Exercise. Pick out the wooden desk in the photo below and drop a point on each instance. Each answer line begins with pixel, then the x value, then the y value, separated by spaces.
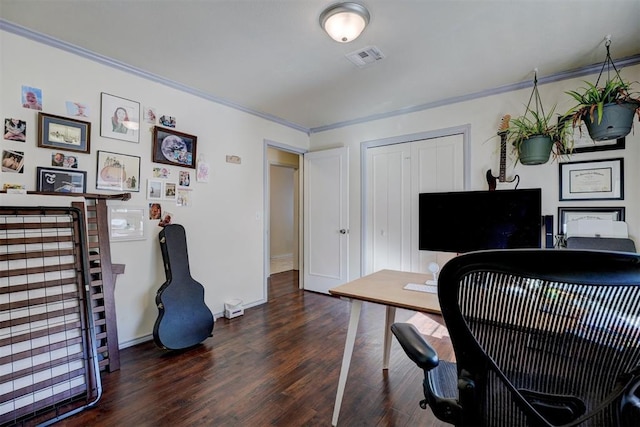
pixel 383 287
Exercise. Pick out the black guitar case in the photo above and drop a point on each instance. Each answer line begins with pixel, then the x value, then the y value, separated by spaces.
pixel 184 319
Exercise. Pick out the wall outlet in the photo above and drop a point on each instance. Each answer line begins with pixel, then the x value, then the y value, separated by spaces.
pixel 234 159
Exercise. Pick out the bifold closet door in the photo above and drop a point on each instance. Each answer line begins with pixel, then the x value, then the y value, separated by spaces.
pixel 48 363
pixel 395 175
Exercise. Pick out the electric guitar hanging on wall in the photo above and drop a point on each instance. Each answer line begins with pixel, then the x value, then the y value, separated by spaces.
pixel 501 182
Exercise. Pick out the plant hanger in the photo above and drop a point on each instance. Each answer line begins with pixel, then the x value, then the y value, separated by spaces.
pixel 535 96
pixel 608 62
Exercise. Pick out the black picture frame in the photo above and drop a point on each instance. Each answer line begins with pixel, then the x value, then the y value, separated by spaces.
pixel 63 133
pixel 174 148
pixel 567 214
pixel 55 180
pixel 601 179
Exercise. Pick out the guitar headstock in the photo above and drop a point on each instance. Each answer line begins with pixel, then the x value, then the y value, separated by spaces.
pixel 504 124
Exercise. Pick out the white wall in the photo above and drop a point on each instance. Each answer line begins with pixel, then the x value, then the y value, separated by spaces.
pixel 281 215
pixel 225 226
pixel 483 115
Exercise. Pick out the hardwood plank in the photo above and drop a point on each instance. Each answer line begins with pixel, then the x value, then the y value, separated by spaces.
pixel 278 365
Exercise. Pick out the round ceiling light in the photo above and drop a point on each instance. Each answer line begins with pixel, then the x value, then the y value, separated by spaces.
pixel 344 21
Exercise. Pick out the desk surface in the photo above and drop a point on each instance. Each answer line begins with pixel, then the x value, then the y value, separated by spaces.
pixel 386 287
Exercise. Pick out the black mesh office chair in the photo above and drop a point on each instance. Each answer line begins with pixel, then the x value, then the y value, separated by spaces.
pixel 541 338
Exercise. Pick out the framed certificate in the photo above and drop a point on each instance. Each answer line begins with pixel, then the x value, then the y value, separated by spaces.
pixel 592 180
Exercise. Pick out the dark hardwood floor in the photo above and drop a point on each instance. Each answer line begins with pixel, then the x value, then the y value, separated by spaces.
pixel 278 365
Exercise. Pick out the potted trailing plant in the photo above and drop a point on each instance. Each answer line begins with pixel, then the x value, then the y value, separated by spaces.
pixel 535 135
pixel 607 111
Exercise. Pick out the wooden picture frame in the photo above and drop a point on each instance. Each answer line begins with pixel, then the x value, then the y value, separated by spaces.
pixel 119 118
pixel 63 133
pixel 566 215
pixel 56 180
pixel 592 180
pixel 174 148
pixel 118 172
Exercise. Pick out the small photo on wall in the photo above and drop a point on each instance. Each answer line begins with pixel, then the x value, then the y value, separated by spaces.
pixel 155 211
pixel 12 161
pixel 154 189
pixel 150 115
pixel 170 190
pixel 77 109
pixel 15 130
pixel 57 160
pixel 32 98
pixel 185 179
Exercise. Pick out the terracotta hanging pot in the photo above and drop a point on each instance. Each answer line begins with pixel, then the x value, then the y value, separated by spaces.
pixel 535 150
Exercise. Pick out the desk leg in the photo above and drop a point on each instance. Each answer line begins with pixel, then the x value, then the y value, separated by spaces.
pixel 356 305
pixel 390 318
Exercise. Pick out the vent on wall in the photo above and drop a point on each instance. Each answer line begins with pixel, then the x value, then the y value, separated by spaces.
pixel 366 56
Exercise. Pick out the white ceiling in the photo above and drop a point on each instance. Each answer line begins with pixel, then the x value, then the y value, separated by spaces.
pixel 271 57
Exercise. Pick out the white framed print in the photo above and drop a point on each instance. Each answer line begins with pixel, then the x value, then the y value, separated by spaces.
pixel 154 189
pixel 119 118
pixel 126 223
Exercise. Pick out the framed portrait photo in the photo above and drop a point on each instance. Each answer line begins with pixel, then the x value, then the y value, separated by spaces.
pixel 58 132
pixel 592 180
pixel 118 172
pixel 119 118
pixel 61 180
pixel 174 148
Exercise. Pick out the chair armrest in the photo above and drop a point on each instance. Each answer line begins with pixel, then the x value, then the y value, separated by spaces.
pixel 416 347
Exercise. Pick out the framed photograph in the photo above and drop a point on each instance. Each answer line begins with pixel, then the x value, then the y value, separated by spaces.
pixel 174 148
pixel 119 118
pixel 58 132
pixel 170 190
pixel 60 180
pixel 154 189
pixel 567 215
pixel 592 180
pixel 582 142
pixel 119 172
pixel 126 223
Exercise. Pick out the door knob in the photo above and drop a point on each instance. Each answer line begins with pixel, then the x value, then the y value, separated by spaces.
pixel 343 231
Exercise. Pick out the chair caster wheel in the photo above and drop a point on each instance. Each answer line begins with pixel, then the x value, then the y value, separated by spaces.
pixel 423 404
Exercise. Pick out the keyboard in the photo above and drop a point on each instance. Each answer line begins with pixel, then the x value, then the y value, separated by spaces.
pixel 431 288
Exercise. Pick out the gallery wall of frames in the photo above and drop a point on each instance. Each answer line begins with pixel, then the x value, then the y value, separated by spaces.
pixel 121 119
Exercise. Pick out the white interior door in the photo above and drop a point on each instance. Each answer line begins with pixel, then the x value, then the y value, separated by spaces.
pixel 326 215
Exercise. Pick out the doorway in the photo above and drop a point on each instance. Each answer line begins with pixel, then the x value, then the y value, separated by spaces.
pixel 282 213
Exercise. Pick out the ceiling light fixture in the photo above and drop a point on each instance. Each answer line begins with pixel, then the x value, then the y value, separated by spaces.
pixel 344 21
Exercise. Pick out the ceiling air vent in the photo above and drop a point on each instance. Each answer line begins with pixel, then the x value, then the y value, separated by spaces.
pixel 365 57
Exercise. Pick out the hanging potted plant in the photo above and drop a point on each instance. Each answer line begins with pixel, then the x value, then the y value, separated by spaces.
pixel 535 135
pixel 607 111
